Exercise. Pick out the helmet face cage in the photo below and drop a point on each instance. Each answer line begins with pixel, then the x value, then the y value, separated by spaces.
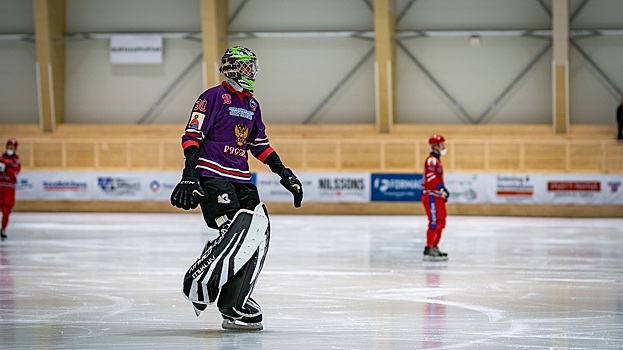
pixel 241 64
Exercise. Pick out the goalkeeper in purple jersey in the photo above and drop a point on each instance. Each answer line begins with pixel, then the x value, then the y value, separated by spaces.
pixel 224 126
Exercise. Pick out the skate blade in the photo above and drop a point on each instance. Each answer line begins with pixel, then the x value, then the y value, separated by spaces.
pixel 242 326
pixel 435 258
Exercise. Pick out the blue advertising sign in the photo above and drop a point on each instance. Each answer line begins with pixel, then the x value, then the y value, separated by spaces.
pixel 396 187
pixel 254 178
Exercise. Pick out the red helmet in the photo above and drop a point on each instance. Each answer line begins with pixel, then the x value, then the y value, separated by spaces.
pixel 435 140
pixel 12 141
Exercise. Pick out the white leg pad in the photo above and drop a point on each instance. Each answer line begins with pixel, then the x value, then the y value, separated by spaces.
pixel 248 232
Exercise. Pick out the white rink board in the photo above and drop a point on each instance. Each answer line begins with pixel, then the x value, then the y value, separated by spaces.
pixel 594 189
pixel 91 185
pixel 535 189
pixel 318 187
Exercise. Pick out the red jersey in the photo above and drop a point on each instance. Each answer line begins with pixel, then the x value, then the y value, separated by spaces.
pixel 12 167
pixel 433 175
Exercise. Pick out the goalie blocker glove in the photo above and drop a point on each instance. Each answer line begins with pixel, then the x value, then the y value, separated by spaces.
pixel 188 193
pixel 292 184
pixel 288 179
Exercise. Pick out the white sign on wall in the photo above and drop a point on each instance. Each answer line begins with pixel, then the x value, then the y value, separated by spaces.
pixel 595 189
pixel 88 185
pixel 536 188
pixel 136 49
pixel 317 187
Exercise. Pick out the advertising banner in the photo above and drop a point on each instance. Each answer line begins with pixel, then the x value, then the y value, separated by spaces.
pixel 396 187
pixel 469 188
pixel 535 189
pixel 584 189
pixel 113 186
pixel 333 187
pixel 318 187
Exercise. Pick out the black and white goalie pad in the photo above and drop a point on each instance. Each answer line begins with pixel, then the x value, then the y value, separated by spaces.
pixel 227 254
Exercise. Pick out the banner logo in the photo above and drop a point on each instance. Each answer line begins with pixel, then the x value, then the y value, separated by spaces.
pixel 23 184
pixel 396 187
pixel 573 186
pixel 64 186
pixel 514 186
pixel 119 186
pixel 614 186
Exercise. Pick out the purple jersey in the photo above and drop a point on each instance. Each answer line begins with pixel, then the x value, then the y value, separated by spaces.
pixel 225 124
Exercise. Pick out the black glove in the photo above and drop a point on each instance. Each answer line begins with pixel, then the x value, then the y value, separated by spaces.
pixel 292 184
pixel 188 193
pixel 444 192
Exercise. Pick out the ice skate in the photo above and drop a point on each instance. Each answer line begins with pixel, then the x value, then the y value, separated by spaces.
pixel 241 326
pixel 3 234
pixel 440 252
pixel 433 254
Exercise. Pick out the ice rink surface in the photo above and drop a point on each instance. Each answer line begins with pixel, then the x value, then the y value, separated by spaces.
pixel 113 281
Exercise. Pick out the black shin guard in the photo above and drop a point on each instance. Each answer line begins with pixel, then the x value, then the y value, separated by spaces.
pixel 235 302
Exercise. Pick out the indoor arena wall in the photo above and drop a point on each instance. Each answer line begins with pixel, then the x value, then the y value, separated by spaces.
pixel 512 149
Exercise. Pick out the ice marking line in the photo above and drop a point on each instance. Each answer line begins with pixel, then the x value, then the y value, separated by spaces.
pixel 572 280
pixel 121 305
pixel 515 330
pixel 494 315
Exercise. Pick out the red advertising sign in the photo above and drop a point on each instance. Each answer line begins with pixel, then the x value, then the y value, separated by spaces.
pixel 575 186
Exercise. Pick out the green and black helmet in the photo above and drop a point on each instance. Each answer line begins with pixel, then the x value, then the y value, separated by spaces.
pixel 240 64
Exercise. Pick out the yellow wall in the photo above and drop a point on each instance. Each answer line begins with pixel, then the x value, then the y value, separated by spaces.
pixel 306 148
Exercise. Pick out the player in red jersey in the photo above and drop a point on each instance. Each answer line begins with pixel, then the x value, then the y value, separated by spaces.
pixel 10 167
pixel 434 198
